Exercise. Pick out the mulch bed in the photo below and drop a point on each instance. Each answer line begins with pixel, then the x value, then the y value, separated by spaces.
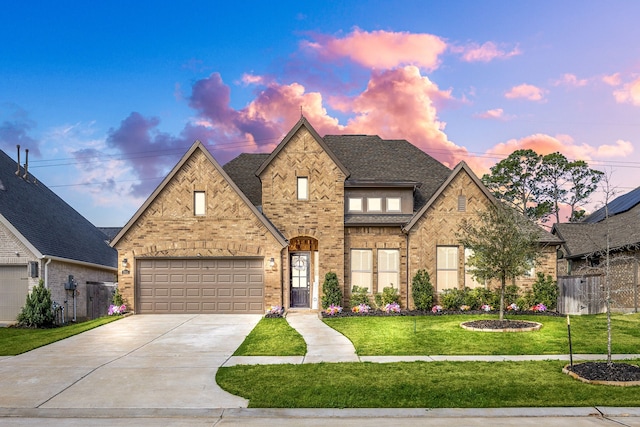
pixel 499 324
pixel 380 313
pixel 601 371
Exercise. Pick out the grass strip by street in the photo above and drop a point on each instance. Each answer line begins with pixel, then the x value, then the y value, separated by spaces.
pixel 442 335
pixel 272 337
pixel 418 385
pixel 14 341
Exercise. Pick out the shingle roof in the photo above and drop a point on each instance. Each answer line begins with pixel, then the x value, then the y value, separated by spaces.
pixel 47 222
pixel 242 171
pixel 616 206
pixel 587 238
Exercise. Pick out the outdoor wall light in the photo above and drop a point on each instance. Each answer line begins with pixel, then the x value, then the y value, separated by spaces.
pixel 124 262
pixel 272 263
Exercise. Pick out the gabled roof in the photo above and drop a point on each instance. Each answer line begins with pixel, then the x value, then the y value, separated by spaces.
pixel 45 223
pixel 199 146
pixel 616 206
pixel 583 239
pixel 302 122
pixel 242 171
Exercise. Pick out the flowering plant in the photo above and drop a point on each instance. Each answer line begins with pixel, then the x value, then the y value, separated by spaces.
pixel 465 308
pixel 333 309
pixel 275 310
pixel 361 308
pixel 539 307
pixel 117 309
pixel 394 307
pixel 436 309
pixel 485 307
pixel 513 307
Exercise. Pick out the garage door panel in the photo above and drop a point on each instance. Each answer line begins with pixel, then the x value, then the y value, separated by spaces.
pixel 201 286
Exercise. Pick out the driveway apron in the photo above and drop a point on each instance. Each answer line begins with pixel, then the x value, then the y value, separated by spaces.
pixel 142 361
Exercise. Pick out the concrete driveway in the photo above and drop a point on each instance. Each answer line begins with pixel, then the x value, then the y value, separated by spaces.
pixel 143 361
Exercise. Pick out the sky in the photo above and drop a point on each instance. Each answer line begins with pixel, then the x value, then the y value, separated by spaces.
pixel 108 95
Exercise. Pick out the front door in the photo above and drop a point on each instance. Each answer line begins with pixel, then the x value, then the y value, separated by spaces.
pixel 300 279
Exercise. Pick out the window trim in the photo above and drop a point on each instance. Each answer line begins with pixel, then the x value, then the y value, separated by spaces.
pixel 300 194
pixel 399 199
pixel 199 202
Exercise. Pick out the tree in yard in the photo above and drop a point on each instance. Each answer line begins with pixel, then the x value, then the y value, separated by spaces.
pixel 37 311
pixel 504 245
pixel 583 182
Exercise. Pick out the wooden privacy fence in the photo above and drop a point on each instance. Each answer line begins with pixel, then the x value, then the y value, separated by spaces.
pixel 581 294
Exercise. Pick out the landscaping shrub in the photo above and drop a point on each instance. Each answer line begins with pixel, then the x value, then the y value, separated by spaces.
pixel 117 298
pixel 37 311
pixel 511 294
pixel 332 294
pixel 359 295
pixel 389 295
pixel 477 297
pixel 452 299
pixel 526 300
pixel 422 290
pixel 545 291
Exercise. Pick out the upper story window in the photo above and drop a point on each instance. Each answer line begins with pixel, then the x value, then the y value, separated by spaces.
pixel 199 203
pixel 355 204
pixel 374 204
pixel 303 188
pixel 393 204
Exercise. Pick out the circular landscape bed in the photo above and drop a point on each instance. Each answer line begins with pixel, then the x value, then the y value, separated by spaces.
pixel 618 374
pixel 492 325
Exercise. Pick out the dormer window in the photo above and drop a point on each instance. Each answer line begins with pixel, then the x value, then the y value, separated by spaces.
pixel 303 188
pixel 393 204
pixel 355 204
pixel 199 203
pixel 374 204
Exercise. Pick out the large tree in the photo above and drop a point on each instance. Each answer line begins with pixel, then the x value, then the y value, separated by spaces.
pixel 504 245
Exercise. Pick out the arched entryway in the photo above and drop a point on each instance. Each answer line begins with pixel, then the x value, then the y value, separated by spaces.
pixel 303 272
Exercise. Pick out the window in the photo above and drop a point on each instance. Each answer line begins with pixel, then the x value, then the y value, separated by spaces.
pixel 374 204
pixel 393 204
pixel 462 203
pixel 531 272
pixel 388 269
pixel 199 203
pixel 469 281
pixel 361 268
pixel 355 204
pixel 303 188
pixel 447 267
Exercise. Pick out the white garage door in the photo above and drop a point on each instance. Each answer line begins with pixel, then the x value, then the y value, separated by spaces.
pixel 14 287
pixel 229 285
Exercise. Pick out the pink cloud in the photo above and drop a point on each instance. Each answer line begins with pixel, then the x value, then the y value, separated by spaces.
pixel 382 49
pixel 571 80
pixel 252 79
pixel 484 53
pixel 526 91
pixel 494 114
pixel 629 93
pixel 612 80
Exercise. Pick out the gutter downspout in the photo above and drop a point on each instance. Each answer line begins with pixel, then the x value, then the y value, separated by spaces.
pixel 46 272
pixel 407 265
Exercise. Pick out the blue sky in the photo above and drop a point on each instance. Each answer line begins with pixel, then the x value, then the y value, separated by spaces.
pixel 108 95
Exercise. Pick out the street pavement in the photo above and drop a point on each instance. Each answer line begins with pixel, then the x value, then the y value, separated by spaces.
pixel 150 370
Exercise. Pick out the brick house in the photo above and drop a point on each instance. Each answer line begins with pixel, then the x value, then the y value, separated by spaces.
pixel 43 238
pixel 584 247
pixel 265 229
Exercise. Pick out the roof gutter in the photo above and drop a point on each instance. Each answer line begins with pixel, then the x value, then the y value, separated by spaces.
pixel 82 263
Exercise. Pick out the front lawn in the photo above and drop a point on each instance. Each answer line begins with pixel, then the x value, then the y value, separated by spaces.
pixel 15 341
pixel 272 337
pixel 418 385
pixel 442 335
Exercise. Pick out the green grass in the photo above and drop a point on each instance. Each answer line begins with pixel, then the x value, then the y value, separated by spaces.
pixel 15 341
pixel 418 385
pixel 272 337
pixel 442 335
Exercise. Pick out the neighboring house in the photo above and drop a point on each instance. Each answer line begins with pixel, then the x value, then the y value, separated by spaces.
pixel 43 238
pixel 265 229
pixel 584 250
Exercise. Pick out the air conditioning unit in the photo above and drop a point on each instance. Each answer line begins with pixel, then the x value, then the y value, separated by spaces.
pixel 33 269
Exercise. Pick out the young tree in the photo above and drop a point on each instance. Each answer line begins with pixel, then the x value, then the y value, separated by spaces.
pixel 504 245
pixel 554 176
pixel 583 182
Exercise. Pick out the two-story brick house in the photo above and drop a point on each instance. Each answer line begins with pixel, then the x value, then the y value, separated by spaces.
pixel 265 229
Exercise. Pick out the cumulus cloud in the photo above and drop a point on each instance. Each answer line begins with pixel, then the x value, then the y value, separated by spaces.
pixel 381 49
pixel 494 114
pixel 526 91
pixel 629 93
pixel 568 79
pixel 486 52
pixel 612 79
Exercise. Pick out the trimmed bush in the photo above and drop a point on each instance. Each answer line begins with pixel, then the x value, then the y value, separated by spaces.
pixel 422 291
pixel 452 299
pixel 545 291
pixel 359 295
pixel 332 294
pixel 389 295
pixel 526 300
pixel 37 311
pixel 511 294
pixel 476 297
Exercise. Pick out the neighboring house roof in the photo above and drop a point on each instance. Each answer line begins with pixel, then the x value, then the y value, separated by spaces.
pixel 199 146
pixel 46 223
pixel 583 239
pixel 617 206
pixel 110 232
